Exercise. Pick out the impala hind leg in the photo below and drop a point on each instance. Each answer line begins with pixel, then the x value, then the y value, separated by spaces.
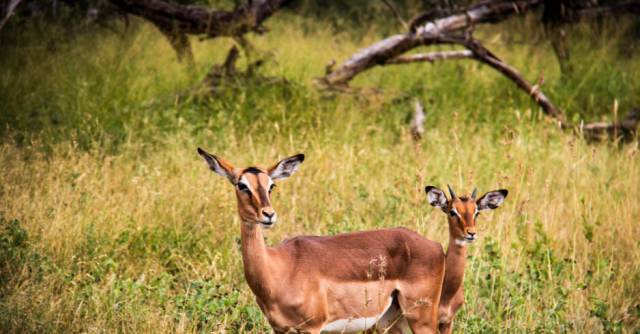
pixel 421 311
pixel 421 320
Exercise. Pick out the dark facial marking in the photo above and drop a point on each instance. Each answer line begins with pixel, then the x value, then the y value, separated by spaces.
pixel 252 170
pixel 264 195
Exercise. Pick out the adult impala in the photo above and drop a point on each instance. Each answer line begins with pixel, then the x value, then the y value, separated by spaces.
pixel 337 284
pixel 462 213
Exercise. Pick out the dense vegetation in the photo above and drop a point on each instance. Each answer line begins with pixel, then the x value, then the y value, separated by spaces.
pixel 109 220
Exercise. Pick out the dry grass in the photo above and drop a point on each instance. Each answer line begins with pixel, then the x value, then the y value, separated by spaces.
pixel 127 231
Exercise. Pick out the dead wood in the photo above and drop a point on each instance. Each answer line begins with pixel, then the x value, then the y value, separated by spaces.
pixel 8 11
pixel 417 123
pixel 179 41
pixel 442 30
pixel 626 129
pixel 485 56
pixel 177 21
pixel 430 57
pixel 426 34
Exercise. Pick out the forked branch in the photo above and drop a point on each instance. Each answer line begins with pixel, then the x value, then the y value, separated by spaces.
pixel 429 33
pixel 442 30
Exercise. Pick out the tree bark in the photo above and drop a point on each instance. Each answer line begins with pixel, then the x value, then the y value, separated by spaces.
pixel 389 51
pixel 426 34
pixel 177 21
pixel 430 57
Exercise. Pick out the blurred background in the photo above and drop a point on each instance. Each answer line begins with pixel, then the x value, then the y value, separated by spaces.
pixel 110 221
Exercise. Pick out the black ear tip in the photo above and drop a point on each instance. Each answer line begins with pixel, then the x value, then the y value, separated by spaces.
pixel 504 192
pixel 300 157
pixel 201 151
pixel 428 188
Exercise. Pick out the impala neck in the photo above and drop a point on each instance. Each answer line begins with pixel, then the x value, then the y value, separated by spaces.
pixel 256 261
pixel 454 268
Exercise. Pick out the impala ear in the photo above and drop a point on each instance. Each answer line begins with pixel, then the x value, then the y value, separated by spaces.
pixel 492 199
pixel 219 165
pixel 286 167
pixel 436 197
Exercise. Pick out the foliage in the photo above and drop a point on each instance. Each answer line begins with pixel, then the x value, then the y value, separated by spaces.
pixel 110 222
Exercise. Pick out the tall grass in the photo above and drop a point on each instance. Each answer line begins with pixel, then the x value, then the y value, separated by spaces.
pixel 111 223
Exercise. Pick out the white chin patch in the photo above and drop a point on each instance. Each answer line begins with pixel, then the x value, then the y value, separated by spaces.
pixel 462 242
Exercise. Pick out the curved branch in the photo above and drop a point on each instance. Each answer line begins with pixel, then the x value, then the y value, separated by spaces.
pixel 429 33
pixel 483 55
pixel 431 57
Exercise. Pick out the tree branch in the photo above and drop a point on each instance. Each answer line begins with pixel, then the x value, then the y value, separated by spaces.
pixel 417 123
pixel 426 34
pixel 395 12
pixel 8 11
pixel 485 56
pixel 201 20
pixel 626 129
pixel 430 57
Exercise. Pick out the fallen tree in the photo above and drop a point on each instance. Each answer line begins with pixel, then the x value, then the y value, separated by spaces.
pixel 456 29
pixel 177 21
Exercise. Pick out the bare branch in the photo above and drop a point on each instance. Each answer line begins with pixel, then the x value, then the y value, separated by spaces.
pixel 9 10
pixel 397 15
pixel 431 57
pixel 626 129
pixel 202 20
pixel 179 41
pixel 417 123
pixel 427 34
pixel 482 54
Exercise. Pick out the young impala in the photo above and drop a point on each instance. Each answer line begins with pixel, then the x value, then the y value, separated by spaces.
pixel 337 284
pixel 462 213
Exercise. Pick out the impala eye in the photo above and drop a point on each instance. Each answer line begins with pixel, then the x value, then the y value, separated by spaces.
pixel 243 187
pixel 273 185
pixel 453 213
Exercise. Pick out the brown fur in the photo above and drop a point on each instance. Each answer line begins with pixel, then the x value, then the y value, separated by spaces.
pixel 462 226
pixel 308 281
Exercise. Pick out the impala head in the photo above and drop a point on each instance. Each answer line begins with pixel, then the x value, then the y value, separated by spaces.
pixel 463 211
pixel 253 185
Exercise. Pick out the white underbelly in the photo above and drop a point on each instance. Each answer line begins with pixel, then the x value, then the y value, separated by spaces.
pixel 354 325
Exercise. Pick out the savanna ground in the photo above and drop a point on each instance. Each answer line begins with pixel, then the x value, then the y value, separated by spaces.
pixel 110 221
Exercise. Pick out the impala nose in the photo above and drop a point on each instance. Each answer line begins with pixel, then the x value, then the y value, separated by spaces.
pixel 269 215
pixel 471 235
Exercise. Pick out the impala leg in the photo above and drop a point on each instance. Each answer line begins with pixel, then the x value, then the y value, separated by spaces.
pixel 422 312
pixel 420 327
pixel 400 326
pixel 445 328
pixel 422 319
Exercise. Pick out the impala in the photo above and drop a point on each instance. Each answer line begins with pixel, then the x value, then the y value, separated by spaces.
pixel 333 284
pixel 462 213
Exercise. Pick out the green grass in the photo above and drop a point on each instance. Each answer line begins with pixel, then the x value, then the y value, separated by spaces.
pixel 110 222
